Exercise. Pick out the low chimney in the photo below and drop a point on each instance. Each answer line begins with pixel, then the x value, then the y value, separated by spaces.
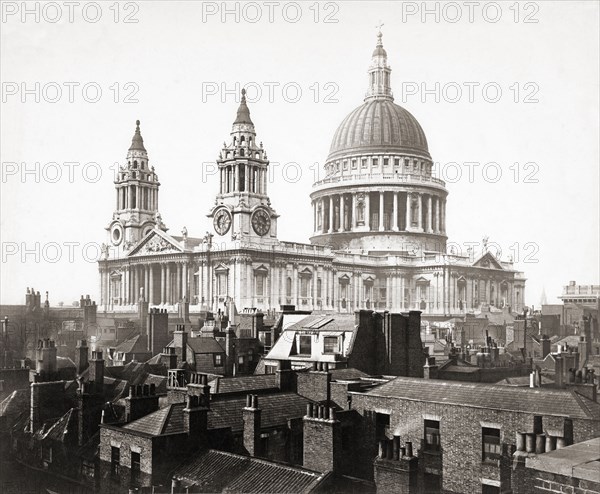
pixel 315 384
pixel 430 369
pixel 545 344
pixel 195 414
pixel 396 470
pixel 251 415
pixel 169 357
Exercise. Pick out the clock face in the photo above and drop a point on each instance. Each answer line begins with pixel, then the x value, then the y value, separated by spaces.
pixel 261 222
pixel 222 221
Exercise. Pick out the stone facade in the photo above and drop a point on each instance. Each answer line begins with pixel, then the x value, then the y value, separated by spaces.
pixel 379 238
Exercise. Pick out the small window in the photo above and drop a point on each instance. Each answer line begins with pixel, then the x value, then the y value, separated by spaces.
pixel 305 345
pixel 264 444
pixel 135 462
pixel 386 162
pixel 241 360
pixel 218 359
pixel 270 369
pixel 330 344
pixel 491 448
pixel 432 435
pixel 345 165
pixel 396 162
pixel 375 162
pixel 115 460
pixel 354 164
pixel 363 162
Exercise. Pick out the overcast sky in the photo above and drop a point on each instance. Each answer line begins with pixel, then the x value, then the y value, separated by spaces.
pixel 533 102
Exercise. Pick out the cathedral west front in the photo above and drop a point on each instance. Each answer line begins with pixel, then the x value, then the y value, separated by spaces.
pixel 378 240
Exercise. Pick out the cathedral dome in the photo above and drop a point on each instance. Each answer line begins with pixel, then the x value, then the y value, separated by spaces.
pixel 379 125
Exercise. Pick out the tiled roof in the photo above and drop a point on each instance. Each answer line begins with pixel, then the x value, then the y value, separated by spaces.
pixel 223 385
pixel 350 374
pixel 276 410
pixel 15 403
pixel 65 428
pixel 205 345
pixel 159 381
pixel 540 401
pixel 157 423
pixel 137 344
pixel 219 471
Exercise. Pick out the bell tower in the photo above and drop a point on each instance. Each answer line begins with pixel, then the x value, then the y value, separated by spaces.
pixel 242 210
pixel 136 211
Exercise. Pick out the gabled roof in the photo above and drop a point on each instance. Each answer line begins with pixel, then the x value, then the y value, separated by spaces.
pixel 220 471
pixel 136 344
pixel 156 242
pixel 65 429
pixel 15 403
pixel 166 420
pixel 487 260
pixel 205 345
pixel 541 401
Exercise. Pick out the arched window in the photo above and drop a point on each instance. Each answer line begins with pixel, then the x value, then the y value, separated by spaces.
pixel 135 164
pixel 288 287
pixel 142 164
pixel 319 285
pixel 242 139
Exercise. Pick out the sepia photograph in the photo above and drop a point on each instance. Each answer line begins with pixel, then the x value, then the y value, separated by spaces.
pixel 301 246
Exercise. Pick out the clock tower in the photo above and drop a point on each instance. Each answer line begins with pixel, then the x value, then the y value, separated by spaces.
pixel 242 212
pixel 136 212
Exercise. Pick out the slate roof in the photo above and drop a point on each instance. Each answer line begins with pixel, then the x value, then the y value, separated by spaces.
pixel 243 384
pixel 65 428
pixel 542 401
pixel 15 403
pixel 157 423
pixel 137 344
pixel 205 345
pixel 337 322
pixel 350 374
pixel 220 471
pixel 276 410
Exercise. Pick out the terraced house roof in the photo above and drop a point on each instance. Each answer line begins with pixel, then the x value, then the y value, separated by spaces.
pixel 542 401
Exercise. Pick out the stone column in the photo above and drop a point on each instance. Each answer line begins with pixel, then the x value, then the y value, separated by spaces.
pixel 443 226
pixel 437 215
pixel 352 211
pixel 136 284
pixel 184 280
pixel 368 210
pixel 149 295
pixel 395 212
pixel 420 209
pixel 314 287
pixel 178 290
pixel 335 293
pixel 408 211
pixel 429 214
pixel 163 284
pixel 381 203
pixel 330 214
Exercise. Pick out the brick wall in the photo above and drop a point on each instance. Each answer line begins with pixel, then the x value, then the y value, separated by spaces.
pixel 549 483
pixel 460 435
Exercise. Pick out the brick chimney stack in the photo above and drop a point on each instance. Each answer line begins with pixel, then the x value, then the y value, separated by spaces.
pixel 285 376
pixel 180 342
pixel 81 356
pixel 46 365
pixel 158 330
pixel 545 344
pixel 322 439
pixel 141 401
pixel 96 374
pixel 251 415
pixel 195 414
pixel 396 469
pixel 169 357
pixel 315 384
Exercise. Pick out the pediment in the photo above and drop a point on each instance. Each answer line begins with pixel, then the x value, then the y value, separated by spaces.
pixel 488 261
pixel 156 242
pixel 422 281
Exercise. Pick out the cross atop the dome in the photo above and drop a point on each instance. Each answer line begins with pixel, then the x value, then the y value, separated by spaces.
pixel 379 33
